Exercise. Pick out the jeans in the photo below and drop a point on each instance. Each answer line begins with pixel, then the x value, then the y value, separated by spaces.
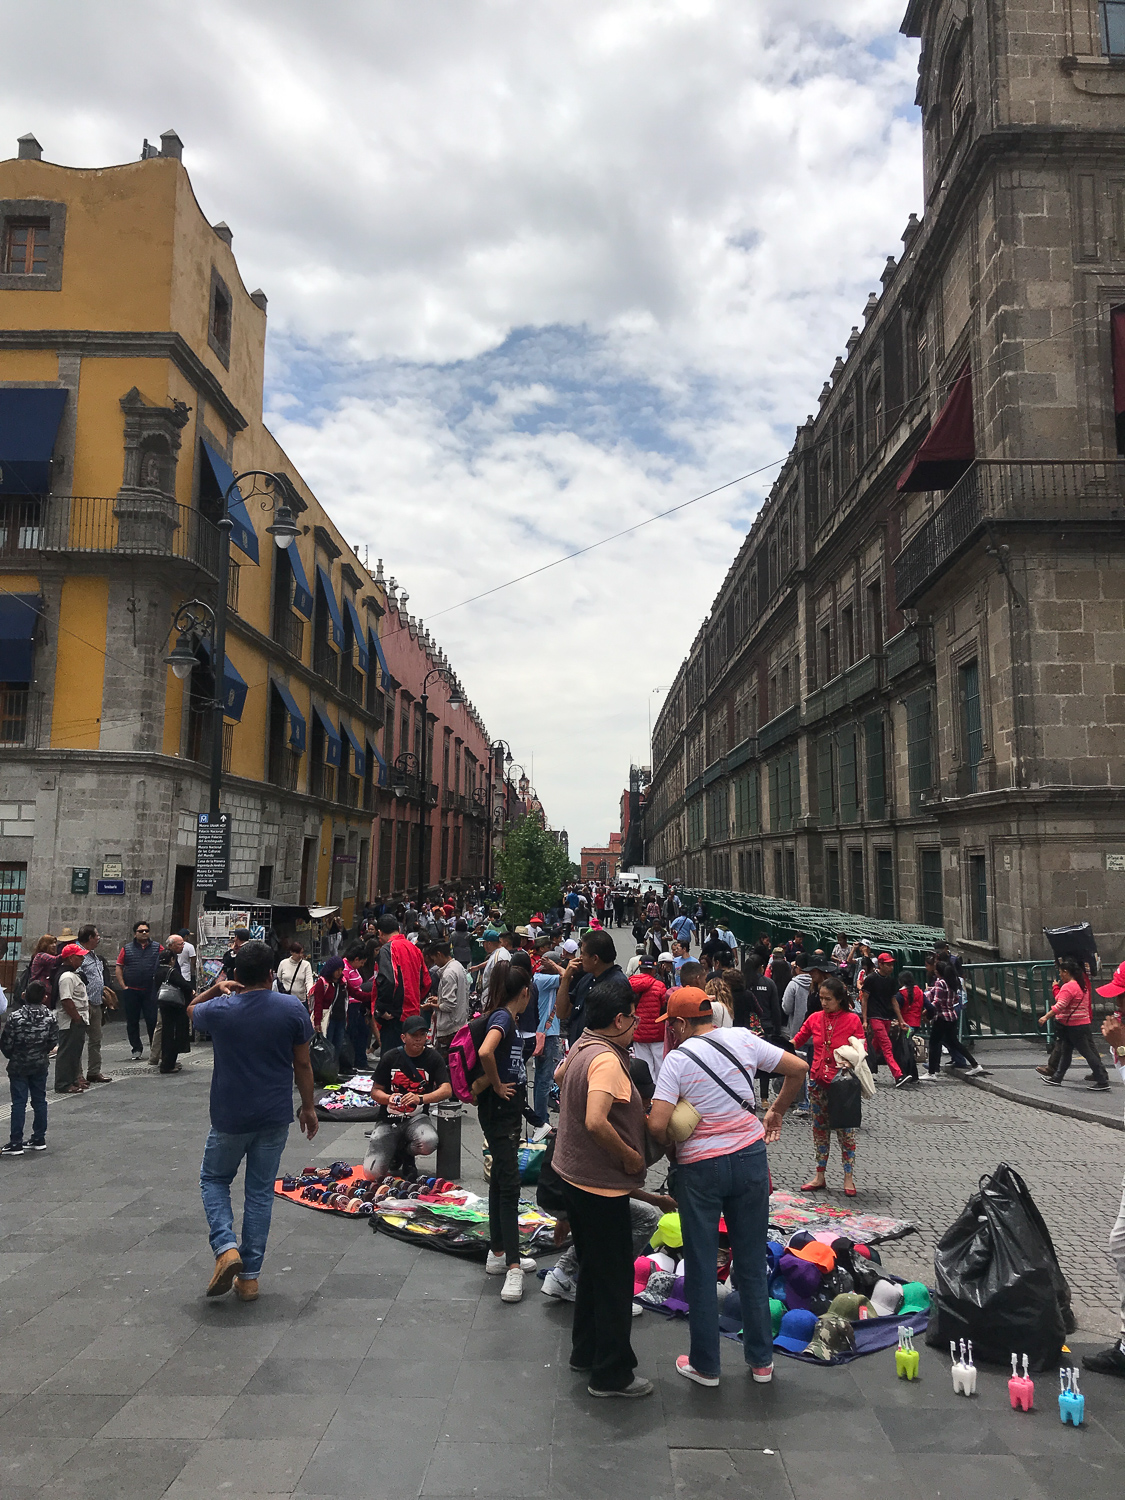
pixel 174 1036
pixel 138 1003
pixel 336 1033
pixel 944 1032
pixel 222 1156
pixel 736 1186
pixel 358 1033
pixel 545 1065
pixel 68 1060
pixel 22 1085
pixel 643 1219
pixel 417 1135
pixel 390 1036
pixel 501 1121
pixel 603 1305
pixel 1079 1039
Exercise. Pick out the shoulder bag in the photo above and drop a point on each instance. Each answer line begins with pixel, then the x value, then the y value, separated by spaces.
pixel 682 1123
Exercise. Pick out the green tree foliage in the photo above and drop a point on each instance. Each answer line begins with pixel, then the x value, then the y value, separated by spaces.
pixel 533 870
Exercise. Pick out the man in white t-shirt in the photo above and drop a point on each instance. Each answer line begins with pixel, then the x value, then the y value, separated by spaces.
pixel 186 957
pixel 721 1169
pixel 73 1016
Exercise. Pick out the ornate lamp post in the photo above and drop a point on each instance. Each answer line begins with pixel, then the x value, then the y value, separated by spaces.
pixel 435 674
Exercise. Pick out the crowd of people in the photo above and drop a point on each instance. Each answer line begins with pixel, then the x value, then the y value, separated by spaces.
pixel 684 1063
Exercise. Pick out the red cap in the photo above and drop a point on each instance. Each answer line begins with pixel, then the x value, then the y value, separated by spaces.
pixel 73 950
pixel 688 1002
pixel 1116 985
pixel 886 958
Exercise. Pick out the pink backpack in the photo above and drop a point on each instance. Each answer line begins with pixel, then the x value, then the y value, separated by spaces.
pixel 465 1066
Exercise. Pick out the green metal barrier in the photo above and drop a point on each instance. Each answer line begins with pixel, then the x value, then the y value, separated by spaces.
pixel 1006 999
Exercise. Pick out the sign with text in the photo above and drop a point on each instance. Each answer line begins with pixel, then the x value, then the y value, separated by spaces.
pixel 112 867
pixel 80 881
pixel 111 887
pixel 212 853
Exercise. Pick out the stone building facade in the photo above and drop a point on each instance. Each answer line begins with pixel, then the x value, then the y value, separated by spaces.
pixel 907 697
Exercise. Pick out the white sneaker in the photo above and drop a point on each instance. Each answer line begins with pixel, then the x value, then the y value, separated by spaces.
pixel 976 1072
pixel 540 1133
pixel 512 1290
pixel 497 1263
pixel 555 1286
pixel 638 1310
pixel 928 1078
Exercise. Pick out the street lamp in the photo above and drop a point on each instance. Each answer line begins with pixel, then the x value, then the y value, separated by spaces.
pixel 196 619
pixel 499 753
pixel 456 700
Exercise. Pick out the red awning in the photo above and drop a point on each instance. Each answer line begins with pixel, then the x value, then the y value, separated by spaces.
pixel 1117 332
pixel 949 447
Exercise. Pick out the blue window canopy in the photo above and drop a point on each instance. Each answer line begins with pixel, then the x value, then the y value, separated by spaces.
pixel 357 748
pixel 380 762
pixel 296 717
pixel 380 658
pixel 302 593
pixel 29 425
pixel 243 536
pixel 336 623
pixel 234 686
pixel 362 660
pixel 333 750
pixel 19 615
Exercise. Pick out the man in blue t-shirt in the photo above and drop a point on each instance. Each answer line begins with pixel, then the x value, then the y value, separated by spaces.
pixel 260 1039
pixel 684 928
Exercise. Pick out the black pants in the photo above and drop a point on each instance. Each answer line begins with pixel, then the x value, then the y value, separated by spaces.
pixel 174 1035
pixel 603 1305
pixel 1079 1039
pixel 501 1121
pixel 138 1003
pixel 68 1059
pixel 944 1033
pixel 390 1036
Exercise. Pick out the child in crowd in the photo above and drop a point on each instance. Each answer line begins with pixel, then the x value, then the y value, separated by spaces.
pixel 27 1041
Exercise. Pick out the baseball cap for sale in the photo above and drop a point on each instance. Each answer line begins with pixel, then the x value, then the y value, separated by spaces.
pixel 797 1328
pixel 832 1337
pixel 1116 985
pixel 915 1297
pixel 887 1298
pixel 688 1002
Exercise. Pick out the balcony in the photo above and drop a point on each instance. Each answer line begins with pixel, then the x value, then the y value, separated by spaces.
pixel 326 663
pixel 864 678
pixel 781 727
pixel 903 651
pixel 21 711
pixel 136 527
pixel 448 799
pixel 351 791
pixel 323 781
pixel 351 682
pixel 1040 493
pixel 746 751
pixel 284 767
pixel 289 632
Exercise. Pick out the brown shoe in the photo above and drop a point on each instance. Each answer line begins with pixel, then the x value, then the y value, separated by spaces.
pixel 98 1078
pixel 227 1267
pixel 246 1288
pixel 1046 1072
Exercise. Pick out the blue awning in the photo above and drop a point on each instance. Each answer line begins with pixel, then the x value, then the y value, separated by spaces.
pixel 362 660
pixel 296 717
pixel 29 425
pixel 234 686
pixel 243 536
pixel 302 593
pixel 381 779
pixel 380 658
pixel 333 753
pixel 337 623
pixel 19 615
pixel 357 747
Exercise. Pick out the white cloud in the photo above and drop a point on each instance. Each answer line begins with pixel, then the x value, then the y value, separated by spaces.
pixel 535 272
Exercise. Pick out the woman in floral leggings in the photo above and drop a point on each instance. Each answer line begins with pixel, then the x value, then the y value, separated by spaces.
pixel 834 1025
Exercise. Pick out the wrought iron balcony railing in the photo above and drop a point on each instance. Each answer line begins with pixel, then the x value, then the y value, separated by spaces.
pixel 134 527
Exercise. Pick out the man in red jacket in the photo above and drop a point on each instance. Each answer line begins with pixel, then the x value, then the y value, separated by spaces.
pixel 402 981
pixel 652 995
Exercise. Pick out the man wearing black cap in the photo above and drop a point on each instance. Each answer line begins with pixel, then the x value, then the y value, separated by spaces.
pixel 407 1081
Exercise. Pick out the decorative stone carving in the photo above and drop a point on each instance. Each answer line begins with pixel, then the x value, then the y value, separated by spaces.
pixel 146 510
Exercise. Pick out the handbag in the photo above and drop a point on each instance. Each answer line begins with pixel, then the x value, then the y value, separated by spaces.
pixel 845 1102
pixel 685 1117
pixel 168 994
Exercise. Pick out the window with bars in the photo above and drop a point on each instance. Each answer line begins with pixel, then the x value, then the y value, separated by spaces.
pixel 832 876
pixel 778 873
pixel 754 802
pixel 857 882
pixel 791 874
pixel 25 247
pixel 884 884
pixel 1112 17
pixel 825 785
pixel 695 823
pixel 919 746
pixel 849 791
pixel 876 766
pixel 978 896
pixel 717 814
pixel 972 733
pixel 13 894
pixel 930 883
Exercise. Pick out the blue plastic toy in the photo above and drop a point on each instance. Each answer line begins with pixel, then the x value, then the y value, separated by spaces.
pixel 1072 1404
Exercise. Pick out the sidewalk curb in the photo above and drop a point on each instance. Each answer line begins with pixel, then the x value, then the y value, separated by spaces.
pixel 1072 1111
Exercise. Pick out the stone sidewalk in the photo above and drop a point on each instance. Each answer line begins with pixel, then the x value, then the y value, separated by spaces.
pixel 370 1368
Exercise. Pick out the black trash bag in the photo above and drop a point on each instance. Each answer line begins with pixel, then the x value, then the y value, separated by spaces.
pixel 998 1279
pixel 845 1101
pixel 322 1056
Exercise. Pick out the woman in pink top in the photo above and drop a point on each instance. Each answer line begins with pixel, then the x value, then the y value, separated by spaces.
pixel 834 1025
pixel 1073 1015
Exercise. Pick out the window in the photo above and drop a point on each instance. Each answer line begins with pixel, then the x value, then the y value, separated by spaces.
pixel 759 878
pixel 847 636
pixel 778 873
pixel 972 736
pixel 858 893
pixel 1113 27
pixel 25 247
pixel 875 617
pixel 929 879
pixel 791 874
pixel 832 868
pixel 825 787
pixel 876 766
pixel 955 92
pixel 978 897
pixel 849 791
pixel 825 653
pixel 847 455
pixel 219 317
pixel 13 893
pixel 885 884
pixel 265 882
pixel 825 496
pixel 919 743
pixel 783 702
pixel 874 414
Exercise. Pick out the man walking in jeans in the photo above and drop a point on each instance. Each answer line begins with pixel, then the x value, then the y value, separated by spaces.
pixel 136 974
pixel 261 1044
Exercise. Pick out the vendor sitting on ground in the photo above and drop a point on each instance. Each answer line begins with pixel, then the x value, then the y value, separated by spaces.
pixel 407 1081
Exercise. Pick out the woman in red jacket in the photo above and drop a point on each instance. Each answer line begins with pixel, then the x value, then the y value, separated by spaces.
pixel 834 1025
pixel 652 995
pixel 1073 1013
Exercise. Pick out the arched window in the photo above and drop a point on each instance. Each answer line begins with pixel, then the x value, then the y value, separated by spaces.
pixel 874 413
pixel 772 568
pixel 754 597
pixel 954 93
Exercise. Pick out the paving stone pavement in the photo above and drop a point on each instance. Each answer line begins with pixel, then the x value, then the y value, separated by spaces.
pixel 370 1368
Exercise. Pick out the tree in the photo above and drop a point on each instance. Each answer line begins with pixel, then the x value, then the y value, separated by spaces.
pixel 533 870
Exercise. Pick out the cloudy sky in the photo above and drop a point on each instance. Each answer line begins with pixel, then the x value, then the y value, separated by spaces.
pixel 536 272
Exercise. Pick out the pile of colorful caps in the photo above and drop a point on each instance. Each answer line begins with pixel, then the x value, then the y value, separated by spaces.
pixel 327 1185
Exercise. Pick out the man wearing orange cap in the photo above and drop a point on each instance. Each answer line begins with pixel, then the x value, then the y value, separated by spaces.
pixel 721 1170
pixel 1111 1361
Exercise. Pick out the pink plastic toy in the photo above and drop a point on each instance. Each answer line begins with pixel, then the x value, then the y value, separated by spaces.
pixel 1021 1388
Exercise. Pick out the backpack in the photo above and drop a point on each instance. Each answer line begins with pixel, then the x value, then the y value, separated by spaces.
pixel 465 1066
pixel 19 989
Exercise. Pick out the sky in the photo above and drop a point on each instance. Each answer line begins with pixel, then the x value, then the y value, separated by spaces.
pixel 536 272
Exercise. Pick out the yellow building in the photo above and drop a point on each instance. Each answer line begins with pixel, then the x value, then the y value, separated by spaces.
pixel 131 371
